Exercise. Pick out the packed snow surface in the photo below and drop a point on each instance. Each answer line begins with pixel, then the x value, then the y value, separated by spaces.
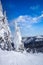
pixel 18 58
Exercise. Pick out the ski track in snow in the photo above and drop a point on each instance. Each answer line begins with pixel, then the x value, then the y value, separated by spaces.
pixel 18 58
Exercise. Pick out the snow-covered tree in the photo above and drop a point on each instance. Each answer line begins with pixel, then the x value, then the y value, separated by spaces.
pixel 5 32
pixel 18 39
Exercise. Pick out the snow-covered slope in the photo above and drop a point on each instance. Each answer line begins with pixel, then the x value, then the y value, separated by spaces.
pixel 34 43
pixel 17 58
pixel 35 38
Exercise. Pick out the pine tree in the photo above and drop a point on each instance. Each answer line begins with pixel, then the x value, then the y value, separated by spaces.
pixel 5 32
pixel 18 39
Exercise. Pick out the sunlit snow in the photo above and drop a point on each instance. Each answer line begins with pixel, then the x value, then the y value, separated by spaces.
pixel 18 58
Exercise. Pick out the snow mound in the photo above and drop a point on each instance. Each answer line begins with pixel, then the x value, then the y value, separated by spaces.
pixel 18 58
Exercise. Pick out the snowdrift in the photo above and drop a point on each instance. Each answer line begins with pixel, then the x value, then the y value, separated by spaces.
pixel 18 58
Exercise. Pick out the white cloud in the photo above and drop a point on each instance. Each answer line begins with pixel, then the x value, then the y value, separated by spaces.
pixel 27 21
pixel 41 16
pixel 42 12
pixel 34 7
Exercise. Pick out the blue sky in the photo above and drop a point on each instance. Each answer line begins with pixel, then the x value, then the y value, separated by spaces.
pixel 27 13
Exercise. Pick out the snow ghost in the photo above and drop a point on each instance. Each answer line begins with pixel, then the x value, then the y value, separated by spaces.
pixel 5 33
pixel 18 39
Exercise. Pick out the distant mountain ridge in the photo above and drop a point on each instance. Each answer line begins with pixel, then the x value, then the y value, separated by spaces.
pixel 34 43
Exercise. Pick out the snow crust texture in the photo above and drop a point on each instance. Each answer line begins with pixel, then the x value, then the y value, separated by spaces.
pixel 18 58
